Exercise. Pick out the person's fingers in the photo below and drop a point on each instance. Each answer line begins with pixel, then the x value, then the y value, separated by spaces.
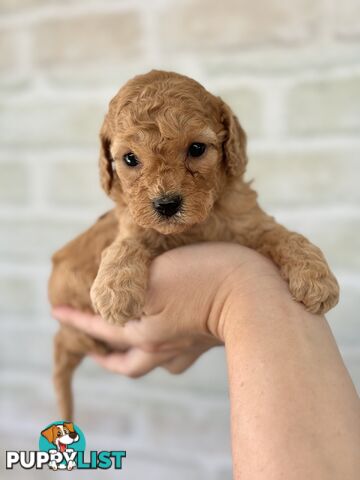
pixel 135 333
pixel 181 363
pixel 92 325
pixel 134 363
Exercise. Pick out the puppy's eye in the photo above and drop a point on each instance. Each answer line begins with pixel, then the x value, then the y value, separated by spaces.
pixel 59 433
pixel 196 149
pixel 131 159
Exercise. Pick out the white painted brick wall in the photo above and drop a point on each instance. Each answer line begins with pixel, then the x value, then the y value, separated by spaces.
pixel 290 70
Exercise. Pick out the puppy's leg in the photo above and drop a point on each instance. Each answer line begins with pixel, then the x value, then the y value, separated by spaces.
pixel 118 292
pixel 301 263
pixel 70 347
pixel 65 362
pixel 74 269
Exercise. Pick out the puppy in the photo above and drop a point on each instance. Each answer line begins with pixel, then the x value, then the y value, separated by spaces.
pixel 61 436
pixel 173 158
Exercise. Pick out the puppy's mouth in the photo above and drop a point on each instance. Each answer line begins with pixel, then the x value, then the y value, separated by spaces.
pixel 178 217
pixel 62 447
pixel 173 224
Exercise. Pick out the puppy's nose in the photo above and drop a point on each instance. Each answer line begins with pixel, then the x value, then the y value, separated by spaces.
pixel 73 435
pixel 167 205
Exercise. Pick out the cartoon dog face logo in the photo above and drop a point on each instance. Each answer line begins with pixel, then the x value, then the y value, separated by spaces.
pixel 61 435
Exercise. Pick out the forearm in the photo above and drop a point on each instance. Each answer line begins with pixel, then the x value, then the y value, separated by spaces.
pixel 294 409
pixel 295 413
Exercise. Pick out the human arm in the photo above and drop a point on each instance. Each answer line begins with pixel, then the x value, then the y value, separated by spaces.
pixel 295 413
pixel 294 410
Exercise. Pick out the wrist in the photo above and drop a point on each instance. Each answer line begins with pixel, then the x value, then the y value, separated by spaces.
pixel 251 291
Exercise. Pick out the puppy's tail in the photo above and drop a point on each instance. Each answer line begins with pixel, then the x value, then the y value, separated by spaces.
pixel 70 347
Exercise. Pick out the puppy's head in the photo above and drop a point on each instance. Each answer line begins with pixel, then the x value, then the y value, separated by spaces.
pixel 168 149
pixel 61 435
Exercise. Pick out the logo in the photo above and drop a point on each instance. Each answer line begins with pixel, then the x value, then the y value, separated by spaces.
pixel 62 447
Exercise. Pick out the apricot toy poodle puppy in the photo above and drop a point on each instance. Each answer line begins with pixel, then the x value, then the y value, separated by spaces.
pixel 173 158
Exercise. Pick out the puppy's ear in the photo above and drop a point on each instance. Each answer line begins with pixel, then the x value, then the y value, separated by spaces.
pixel 108 177
pixel 50 433
pixel 69 426
pixel 234 144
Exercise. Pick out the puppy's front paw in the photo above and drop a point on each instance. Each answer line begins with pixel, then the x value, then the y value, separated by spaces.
pixel 313 285
pixel 118 299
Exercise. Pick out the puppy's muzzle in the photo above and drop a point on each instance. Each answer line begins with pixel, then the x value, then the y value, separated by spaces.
pixel 167 205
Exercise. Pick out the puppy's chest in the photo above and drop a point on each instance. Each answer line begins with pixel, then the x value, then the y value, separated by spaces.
pixel 217 228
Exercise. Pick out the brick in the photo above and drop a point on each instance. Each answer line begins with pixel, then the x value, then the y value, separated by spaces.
pixel 337 234
pixel 11 6
pixel 192 425
pixel 280 61
pixel 8 52
pixel 79 40
pixel 48 123
pixel 74 183
pixel 110 76
pixel 344 318
pixel 115 417
pixel 145 466
pixel 325 107
pixel 14 83
pixel 225 472
pixel 246 104
pixel 40 397
pixel 141 392
pixel 352 362
pixel 153 413
pixel 295 178
pixel 17 295
pixel 27 349
pixel 30 395
pixel 35 240
pixel 14 183
pixel 125 418
pixel 346 19
pixel 211 25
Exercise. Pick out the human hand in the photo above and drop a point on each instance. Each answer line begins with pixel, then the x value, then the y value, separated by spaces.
pixel 190 289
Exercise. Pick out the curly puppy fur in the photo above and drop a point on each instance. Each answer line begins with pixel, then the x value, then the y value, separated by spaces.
pixel 157 116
